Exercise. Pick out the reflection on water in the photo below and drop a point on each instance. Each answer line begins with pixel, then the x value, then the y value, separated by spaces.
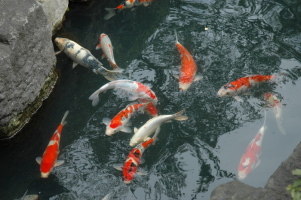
pixel 191 157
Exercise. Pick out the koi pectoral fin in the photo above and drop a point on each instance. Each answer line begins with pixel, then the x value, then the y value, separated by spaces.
pixel 141 172
pixel 59 162
pixel 198 78
pixel 74 65
pixel 237 98
pixel 126 129
pixel 39 160
pixel 118 166
pixel 106 121
pixel 56 53
pixel 98 47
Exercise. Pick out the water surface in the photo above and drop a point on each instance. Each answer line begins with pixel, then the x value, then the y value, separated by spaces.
pixel 192 157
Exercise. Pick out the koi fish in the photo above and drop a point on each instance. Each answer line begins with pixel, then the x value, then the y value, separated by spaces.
pixel 250 159
pixel 153 125
pixel 84 57
pixel 121 121
pixel 49 159
pixel 188 67
pixel 131 164
pixel 107 49
pixel 274 102
pixel 242 85
pixel 136 89
pixel 125 5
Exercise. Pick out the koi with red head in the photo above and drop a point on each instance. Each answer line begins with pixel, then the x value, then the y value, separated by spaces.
pixel 121 121
pixel 132 162
pixel 49 159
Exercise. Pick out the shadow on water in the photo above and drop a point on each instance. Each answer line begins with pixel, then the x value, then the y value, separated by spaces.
pixel 191 157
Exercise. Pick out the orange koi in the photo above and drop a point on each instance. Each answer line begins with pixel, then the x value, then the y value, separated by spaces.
pixel 121 121
pixel 49 159
pixel 188 67
pixel 242 85
pixel 250 159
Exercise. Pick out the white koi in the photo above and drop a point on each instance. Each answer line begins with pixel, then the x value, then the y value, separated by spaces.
pixel 153 125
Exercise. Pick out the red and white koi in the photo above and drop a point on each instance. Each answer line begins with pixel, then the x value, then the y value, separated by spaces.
pixel 106 45
pixel 188 67
pixel 121 121
pixel 126 5
pixel 136 90
pixel 250 159
pixel 274 102
pixel 131 164
pixel 153 125
pixel 242 85
pixel 49 159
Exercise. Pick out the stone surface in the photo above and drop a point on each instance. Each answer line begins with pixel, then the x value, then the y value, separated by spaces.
pixel 26 62
pixel 55 11
pixel 275 189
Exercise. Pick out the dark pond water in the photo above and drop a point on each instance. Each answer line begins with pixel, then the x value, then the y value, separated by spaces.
pixel 192 157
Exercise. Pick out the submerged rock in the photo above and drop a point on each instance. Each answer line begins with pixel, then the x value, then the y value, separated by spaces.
pixel 274 189
pixel 26 62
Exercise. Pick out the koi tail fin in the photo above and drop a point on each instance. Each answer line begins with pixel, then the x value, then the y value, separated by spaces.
pixel 179 116
pixel 280 127
pixel 111 13
pixel 95 98
pixel 63 122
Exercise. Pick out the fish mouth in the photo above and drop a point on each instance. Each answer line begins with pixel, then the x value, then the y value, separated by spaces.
pixel 44 175
pixel 127 182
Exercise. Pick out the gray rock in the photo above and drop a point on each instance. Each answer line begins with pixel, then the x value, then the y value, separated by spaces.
pixel 55 11
pixel 26 62
pixel 275 189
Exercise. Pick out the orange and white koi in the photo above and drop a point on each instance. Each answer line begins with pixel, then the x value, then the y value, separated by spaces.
pixel 274 102
pixel 131 164
pixel 136 90
pixel 106 45
pixel 126 5
pixel 49 159
pixel 121 121
pixel 188 67
pixel 250 159
pixel 242 85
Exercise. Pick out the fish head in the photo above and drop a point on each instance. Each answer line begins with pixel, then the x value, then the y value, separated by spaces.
pixel 45 174
pixel 242 175
pixel 134 141
pixel 129 3
pixel 151 109
pixel 184 86
pixel 102 36
pixel 111 131
pixel 60 42
pixel 227 90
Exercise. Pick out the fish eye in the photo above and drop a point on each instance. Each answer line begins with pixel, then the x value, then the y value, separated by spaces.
pixel 226 87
